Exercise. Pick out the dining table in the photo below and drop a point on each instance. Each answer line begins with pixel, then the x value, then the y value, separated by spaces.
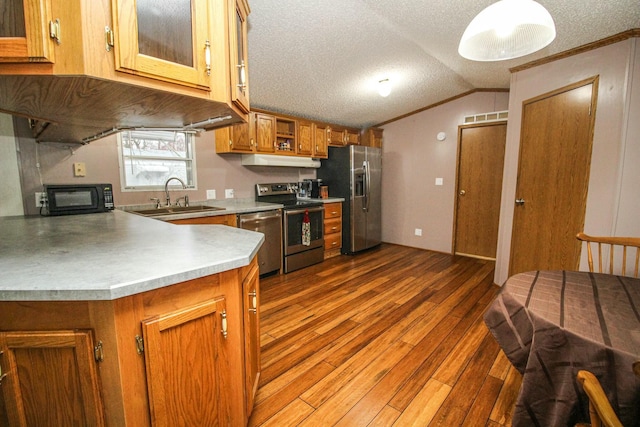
pixel 552 324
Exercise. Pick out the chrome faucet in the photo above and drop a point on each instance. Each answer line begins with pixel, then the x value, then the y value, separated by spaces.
pixel 166 188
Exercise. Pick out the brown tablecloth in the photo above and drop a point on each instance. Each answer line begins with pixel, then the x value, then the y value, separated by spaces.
pixel 551 324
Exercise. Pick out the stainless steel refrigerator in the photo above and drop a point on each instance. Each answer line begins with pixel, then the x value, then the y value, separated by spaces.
pixel 355 174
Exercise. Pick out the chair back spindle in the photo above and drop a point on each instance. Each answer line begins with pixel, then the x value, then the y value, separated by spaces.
pixel 630 247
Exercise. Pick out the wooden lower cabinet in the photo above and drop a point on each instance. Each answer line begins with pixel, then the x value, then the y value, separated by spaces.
pixel 49 378
pixel 230 220
pixel 251 308
pixel 332 229
pixel 185 363
pixel 184 354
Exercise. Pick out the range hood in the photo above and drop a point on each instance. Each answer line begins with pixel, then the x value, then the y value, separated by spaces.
pixel 275 160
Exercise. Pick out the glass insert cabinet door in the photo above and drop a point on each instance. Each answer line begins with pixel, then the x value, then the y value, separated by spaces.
pixel 164 39
pixel 239 56
pixel 24 31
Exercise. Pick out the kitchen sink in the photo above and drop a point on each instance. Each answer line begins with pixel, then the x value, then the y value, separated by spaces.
pixel 172 210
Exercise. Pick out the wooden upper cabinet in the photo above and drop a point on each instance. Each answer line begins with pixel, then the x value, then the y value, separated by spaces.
pixel 239 55
pixel 336 137
pixel 165 40
pixel 372 137
pixel 321 140
pixel 51 379
pixel 286 135
pixel 352 137
pixel 265 128
pixel 24 31
pixel 305 138
pixel 238 138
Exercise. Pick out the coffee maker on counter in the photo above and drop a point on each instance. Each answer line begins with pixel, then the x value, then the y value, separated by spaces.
pixel 309 188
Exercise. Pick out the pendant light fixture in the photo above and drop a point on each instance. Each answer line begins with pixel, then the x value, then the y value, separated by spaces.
pixel 507 29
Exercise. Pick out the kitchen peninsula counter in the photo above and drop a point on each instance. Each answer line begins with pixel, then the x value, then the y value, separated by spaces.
pixel 128 321
pixel 106 256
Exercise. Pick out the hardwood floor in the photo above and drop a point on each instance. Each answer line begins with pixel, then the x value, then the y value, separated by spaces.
pixel 392 336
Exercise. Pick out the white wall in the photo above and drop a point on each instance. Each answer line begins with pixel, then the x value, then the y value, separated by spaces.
pixel 613 198
pixel 413 158
pixel 10 192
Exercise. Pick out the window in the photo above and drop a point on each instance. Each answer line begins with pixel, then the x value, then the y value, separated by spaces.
pixel 149 158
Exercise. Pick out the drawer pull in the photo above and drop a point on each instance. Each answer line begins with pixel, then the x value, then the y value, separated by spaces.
pixel 334 243
pixel 334 228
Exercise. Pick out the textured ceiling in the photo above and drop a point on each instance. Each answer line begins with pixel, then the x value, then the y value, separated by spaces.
pixel 320 59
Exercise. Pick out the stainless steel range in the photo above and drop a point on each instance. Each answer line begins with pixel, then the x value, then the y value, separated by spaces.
pixel 303 224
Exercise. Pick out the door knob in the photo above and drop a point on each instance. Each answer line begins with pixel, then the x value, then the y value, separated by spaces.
pixel 462 192
pixel 519 202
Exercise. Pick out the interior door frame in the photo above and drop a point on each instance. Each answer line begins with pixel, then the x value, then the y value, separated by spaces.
pixel 457 187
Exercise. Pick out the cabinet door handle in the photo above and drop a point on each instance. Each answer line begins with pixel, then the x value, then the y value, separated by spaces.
pixel 242 85
pixel 207 57
pixel 254 302
pixel 98 352
pixel 223 325
pixel 230 143
pixel 54 30
pixel 2 376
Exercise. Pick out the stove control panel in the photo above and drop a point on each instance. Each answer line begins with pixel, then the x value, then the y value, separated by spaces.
pixel 276 189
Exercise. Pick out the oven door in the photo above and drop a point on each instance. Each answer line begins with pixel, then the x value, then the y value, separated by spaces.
pixel 293 229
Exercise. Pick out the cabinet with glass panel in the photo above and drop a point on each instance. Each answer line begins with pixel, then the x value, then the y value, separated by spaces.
pixel 28 32
pixel 123 64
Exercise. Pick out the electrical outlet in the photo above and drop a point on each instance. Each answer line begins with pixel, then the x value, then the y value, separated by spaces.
pixel 418 232
pixel 228 193
pixel 41 199
pixel 211 194
pixel 439 181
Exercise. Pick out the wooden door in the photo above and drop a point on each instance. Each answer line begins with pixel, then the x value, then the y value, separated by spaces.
pixel 480 168
pixel 251 305
pixel 51 379
pixel 553 178
pixel 185 359
pixel 336 137
pixel 164 40
pixel 305 138
pixel 241 139
pixel 239 56
pixel 321 141
pixel 24 31
pixel 265 127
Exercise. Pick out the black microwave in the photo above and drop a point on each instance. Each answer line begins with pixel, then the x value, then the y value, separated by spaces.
pixel 74 199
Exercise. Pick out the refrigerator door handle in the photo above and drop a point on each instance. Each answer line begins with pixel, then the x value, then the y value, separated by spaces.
pixel 367 185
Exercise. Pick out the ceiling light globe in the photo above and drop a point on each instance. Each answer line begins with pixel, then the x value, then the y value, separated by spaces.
pixel 507 29
pixel 384 88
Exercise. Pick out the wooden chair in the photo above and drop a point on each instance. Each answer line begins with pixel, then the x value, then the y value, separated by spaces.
pixel 600 411
pixel 633 243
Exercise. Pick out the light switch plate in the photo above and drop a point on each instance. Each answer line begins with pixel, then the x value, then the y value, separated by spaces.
pixel 211 194
pixel 228 193
pixel 439 181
